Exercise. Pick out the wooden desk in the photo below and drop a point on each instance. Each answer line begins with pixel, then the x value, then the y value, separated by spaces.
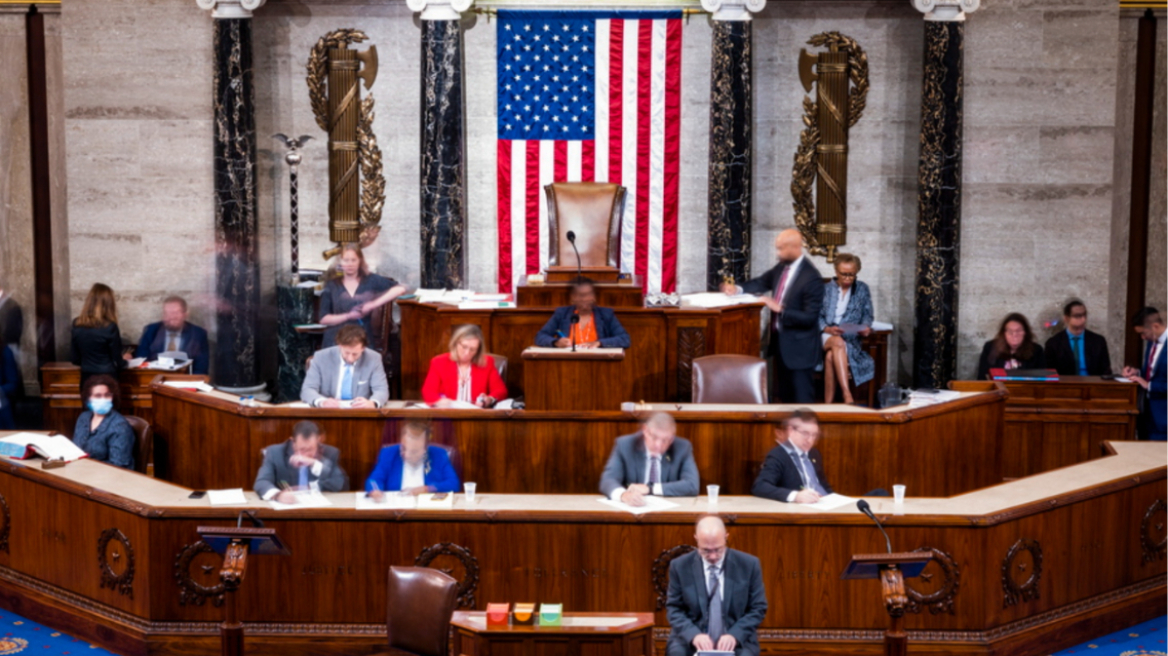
pixel 207 441
pixel 1081 550
pixel 1055 424
pixel 665 341
pixel 556 294
pixel 633 637
pixel 584 380
pixel 61 390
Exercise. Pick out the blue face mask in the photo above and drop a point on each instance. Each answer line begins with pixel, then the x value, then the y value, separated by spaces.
pixel 101 406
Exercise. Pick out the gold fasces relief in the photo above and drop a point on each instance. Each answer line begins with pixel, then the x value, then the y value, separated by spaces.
pixel 334 75
pixel 821 160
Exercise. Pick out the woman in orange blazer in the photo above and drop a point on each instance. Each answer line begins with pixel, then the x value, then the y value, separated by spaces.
pixel 465 374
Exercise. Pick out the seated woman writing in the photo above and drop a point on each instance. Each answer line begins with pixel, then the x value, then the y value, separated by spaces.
pixel 465 374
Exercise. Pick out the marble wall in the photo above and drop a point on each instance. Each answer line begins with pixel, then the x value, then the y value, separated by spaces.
pixel 1039 139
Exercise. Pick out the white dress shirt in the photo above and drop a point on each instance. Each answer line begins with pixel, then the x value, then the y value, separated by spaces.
pixel 655 489
pixel 1157 346
pixel 841 305
pixel 721 565
pixel 791 271
pixel 341 381
pixel 413 475
pixel 796 455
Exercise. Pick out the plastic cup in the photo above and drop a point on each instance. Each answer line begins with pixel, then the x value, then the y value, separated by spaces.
pixel 898 494
pixel 712 493
pixel 469 488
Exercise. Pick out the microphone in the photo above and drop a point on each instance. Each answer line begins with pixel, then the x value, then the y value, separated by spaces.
pixel 575 320
pixel 572 240
pixel 867 510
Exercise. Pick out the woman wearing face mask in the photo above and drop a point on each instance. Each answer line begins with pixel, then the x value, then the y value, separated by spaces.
pixel 101 431
pixel 352 296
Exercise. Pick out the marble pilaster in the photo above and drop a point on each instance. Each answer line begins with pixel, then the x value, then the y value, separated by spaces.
pixel 237 272
pixel 294 306
pixel 443 150
pixel 939 196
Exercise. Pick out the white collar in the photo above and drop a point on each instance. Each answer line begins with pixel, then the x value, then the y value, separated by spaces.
pixel 1163 336
pixel 795 265
pixel 706 565
pixel 792 449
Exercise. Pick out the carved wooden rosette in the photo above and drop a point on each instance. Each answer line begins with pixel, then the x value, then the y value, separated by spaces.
pixel 1021 571
pixel 822 155
pixel 468 582
pixel 660 570
pixel 195 588
pixel 932 592
pixel 115 560
pixel 1153 534
pixel 691 344
pixel 7 528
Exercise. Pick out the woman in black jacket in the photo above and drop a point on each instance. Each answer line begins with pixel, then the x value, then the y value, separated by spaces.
pixel 1013 348
pixel 97 342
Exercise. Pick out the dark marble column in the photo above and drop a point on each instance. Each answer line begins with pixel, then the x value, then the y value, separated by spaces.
pixel 443 156
pixel 294 306
pixel 730 153
pixel 939 200
pixel 236 260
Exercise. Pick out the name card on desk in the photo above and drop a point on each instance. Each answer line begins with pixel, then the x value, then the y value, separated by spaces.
pixel 551 614
pixel 498 615
pixel 524 614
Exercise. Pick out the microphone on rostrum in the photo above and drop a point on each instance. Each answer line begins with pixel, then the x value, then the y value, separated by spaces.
pixel 575 320
pixel 867 510
pixel 572 240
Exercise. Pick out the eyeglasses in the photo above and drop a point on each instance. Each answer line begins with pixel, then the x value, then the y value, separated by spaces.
pixel 805 433
pixel 1079 316
pixel 712 552
pixel 849 276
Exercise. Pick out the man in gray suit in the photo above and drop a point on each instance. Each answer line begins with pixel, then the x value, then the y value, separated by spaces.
pixel 716 598
pixel 652 461
pixel 298 463
pixel 347 375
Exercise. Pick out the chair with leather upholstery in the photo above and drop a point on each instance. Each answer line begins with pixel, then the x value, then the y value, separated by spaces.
pixel 500 365
pixel 729 379
pixel 421 602
pixel 143 442
pixel 593 211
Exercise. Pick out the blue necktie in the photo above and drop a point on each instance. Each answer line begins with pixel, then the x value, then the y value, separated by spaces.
pixel 304 478
pixel 347 384
pixel 1081 360
pixel 812 479
pixel 715 630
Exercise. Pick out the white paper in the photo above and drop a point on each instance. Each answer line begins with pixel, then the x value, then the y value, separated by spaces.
pixel 851 328
pixel 505 404
pixel 1121 379
pixel 453 296
pixel 831 502
pixel 716 300
pixel 597 621
pixel 881 325
pixel 491 297
pixel 714 652
pixel 226 497
pixel 49 447
pixel 484 305
pixel 135 363
pixel 922 399
pixel 652 504
pixel 553 349
pixel 391 501
pixel 297 404
pixel 189 384
pixel 304 499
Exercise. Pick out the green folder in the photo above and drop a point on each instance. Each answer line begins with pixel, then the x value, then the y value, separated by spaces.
pixel 551 614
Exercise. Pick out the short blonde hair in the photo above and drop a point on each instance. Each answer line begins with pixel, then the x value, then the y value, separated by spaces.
pixel 469 331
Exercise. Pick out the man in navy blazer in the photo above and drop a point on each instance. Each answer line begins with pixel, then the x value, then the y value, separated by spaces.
pixel 175 333
pixel 557 331
pixel 716 597
pixel 1077 351
pixel 1153 377
pixel 793 290
pixel 413 467
pixel 652 461
pixel 793 470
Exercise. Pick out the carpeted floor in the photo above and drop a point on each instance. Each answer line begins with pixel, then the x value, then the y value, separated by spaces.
pixel 1145 639
pixel 21 636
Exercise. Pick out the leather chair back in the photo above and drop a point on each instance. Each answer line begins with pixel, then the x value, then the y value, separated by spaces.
pixel 593 211
pixel 729 379
pixel 500 364
pixel 143 442
pixel 421 602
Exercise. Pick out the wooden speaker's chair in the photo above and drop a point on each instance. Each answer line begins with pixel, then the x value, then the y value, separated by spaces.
pixel 143 442
pixel 729 379
pixel 421 602
pixel 593 211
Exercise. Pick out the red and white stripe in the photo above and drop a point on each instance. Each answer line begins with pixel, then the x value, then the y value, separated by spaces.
pixel 638 127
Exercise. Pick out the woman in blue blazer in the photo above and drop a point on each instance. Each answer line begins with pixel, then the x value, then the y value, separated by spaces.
pixel 597 326
pixel 845 301
pixel 414 466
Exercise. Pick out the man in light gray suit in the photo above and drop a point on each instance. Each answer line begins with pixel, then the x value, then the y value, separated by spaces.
pixel 716 598
pixel 346 375
pixel 298 463
pixel 652 461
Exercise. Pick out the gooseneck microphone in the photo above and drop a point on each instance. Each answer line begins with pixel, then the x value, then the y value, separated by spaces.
pixel 572 332
pixel 572 240
pixel 867 510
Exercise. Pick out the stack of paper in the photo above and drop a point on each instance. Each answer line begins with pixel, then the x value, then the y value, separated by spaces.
pixel 652 504
pixel 451 296
pixel 715 300
pixel 49 447
pixel 189 384
pixel 922 399
pixel 226 497
pixel 832 501
pixel 304 499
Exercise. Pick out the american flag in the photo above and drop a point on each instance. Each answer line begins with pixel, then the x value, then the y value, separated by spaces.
pixel 589 96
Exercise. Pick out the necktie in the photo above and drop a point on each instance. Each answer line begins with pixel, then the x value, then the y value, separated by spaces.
pixel 1151 360
pixel 654 471
pixel 810 476
pixel 1077 346
pixel 303 478
pixel 779 294
pixel 347 384
pixel 172 345
pixel 715 625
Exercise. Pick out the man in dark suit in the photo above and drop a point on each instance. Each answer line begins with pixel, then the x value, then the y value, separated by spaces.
pixel 1137 325
pixel 175 333
pixel 716 597
pixel 793 470
pixel 653 461
pixel 793 290
pixel 1153 377
pixel 1077 351
pixel 298 463
pixel 597 327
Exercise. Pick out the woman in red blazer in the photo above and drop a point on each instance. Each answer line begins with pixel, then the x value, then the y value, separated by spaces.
pixel 465 374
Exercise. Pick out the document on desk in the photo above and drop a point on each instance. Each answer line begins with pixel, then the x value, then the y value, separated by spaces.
pixel 226 497
pixel 391 501
pixel 189 384
pixel 714 652
pixel 710 300
pixel 652 504
pixel 303 500
pixel 831 502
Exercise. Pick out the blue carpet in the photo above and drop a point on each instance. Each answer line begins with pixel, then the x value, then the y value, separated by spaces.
pixel 1145 639
pixel 21 636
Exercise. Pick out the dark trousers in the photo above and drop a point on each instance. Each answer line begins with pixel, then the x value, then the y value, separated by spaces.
pixel 790 385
